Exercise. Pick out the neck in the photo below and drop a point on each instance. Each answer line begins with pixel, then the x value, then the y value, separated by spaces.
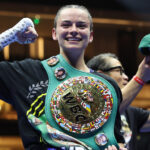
pixel 76 60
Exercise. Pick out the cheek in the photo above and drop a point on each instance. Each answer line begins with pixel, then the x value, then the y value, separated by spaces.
pixel 60 32
pixel 60 36
pixel 117 78
pixel 85 33
pixel 86 38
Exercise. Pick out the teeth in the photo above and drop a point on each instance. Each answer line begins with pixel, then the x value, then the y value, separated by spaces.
pixel 73 39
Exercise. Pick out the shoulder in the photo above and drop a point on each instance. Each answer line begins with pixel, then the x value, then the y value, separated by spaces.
pixel 137 110
pixel 20 62
pixel 137 114
pixel 26 67
pixel 26 62
pixel 23 64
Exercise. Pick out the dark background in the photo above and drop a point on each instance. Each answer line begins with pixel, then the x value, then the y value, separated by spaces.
pixel 123 5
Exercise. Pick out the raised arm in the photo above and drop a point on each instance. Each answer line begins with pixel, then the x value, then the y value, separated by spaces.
pixel 131 90
pixel 23 32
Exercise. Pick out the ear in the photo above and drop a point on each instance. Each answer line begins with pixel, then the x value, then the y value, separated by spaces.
pixel 100 71
pixel 54 36
pixel 91 37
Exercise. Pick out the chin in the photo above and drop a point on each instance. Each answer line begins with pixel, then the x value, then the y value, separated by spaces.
pixel 73 48
pixel 122 86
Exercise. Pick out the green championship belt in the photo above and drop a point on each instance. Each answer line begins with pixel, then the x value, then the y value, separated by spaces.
pixel 80 108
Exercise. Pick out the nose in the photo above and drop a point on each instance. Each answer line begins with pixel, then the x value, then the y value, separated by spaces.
pixel 73 30
pixel 125 77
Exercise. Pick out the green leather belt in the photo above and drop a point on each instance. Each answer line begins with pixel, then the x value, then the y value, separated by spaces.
pixel 70 112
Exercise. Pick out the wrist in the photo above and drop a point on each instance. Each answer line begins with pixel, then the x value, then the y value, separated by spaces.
pixel 138 80
pixel 6 38
pixel 9 36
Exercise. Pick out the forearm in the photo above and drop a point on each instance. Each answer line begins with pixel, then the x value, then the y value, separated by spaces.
pixel 11 35
pixel 129 92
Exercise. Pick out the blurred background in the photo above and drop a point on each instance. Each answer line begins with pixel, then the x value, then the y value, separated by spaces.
pixel 119 25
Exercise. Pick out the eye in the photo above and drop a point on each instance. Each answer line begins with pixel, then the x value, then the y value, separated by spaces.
pixel 81 25
pixel 66 24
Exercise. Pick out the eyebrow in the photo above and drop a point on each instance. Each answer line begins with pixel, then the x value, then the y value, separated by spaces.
pixel 67 21
pixel 77 21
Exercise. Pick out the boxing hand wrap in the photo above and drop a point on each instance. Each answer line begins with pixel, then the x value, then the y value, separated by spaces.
pixel 9 36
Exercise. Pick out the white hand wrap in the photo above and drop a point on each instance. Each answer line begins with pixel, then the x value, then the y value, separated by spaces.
pixel 9 36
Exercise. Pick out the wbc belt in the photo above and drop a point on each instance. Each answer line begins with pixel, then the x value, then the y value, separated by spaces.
pixel 80 108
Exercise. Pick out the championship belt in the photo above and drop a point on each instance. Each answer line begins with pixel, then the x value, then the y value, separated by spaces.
pixel 80 108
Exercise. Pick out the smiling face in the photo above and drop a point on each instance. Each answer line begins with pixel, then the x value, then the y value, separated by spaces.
pixel 73 29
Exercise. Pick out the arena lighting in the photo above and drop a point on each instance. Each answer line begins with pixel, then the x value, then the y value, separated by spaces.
pixel 104 21
pixel 6 53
